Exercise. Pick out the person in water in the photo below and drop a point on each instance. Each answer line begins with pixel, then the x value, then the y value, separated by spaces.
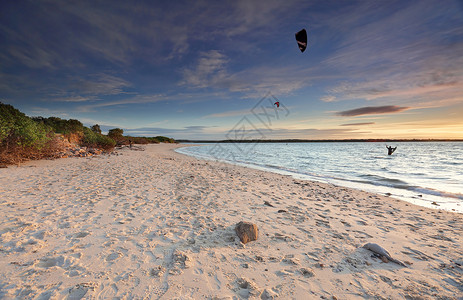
pixel 390 150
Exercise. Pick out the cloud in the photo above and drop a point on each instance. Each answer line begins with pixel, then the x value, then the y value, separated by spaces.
pixel 138 99
pixel 221 133
pixel 358 124
pixel 279 80
pixel 34 57
pixel 233 113
pixel 116 33
pixel 309 133
pixel 371 110
pixel 85 88
pixel 188 132
pixel 421 86
pixel 249 16
pixel 328 98
pixel 210 68
pixel 97 38
pixel 101 84
pixel 213 70
pixel 414 53
pixel 119 57
pixel 74 99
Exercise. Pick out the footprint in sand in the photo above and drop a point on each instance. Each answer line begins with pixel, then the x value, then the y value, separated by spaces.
pixel 347 224
pixel 75 270
pixel 113 256
pixel 245 288
pixel 79 291
pixel 40 235
pixel 48 262
pixel 108 292
pixel 81 234
pixel 63 225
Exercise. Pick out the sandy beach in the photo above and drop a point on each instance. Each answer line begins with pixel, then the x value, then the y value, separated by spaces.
pixel 156 224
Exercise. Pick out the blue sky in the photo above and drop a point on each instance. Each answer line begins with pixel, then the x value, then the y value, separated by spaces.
pixel 212 69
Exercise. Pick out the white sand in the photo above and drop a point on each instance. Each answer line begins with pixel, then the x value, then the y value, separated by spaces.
pixel 157 224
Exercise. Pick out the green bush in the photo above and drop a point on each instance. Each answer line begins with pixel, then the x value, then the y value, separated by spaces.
pixel 163 139
pixel 59 125
pixel 17 129
pixel 137 140
pixel 116 133
pixel 96 128
pixel 97 140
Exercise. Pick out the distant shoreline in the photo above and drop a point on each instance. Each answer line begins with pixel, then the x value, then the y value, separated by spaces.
pixel 321 141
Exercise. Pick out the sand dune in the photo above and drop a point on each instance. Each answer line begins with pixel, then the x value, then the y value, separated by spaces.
pixel 156 224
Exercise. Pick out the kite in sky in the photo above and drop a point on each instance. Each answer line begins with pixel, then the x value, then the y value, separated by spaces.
pixel 301 38
pixel 277 104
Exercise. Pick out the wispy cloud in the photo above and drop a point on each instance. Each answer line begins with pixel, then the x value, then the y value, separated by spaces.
pixel 404 53
pixel 371 110
pixel 88 88
pixel 138 99
pixel 310 133
pixel 73 98
pixel 100 84
pixel 330 98
pixel 358 124
pixel 226 114
pixel 210 69
pixel 253 15
pixel 188 132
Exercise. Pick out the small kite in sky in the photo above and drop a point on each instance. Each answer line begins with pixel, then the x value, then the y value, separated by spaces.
pixel 277 104
pixel 301 38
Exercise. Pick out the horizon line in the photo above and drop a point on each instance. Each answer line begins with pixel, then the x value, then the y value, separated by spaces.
pixel 314 141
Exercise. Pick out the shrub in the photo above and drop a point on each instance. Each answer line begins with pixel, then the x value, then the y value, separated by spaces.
pixel 116 133
pixel 17 129
pixel 163 139
pixel 97 140
pixel 20 137
pixel 62 126
pixel 136 140
pixel 96 128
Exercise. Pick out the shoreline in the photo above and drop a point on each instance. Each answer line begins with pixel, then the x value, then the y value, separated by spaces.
pixel 424 197
pixel 160 224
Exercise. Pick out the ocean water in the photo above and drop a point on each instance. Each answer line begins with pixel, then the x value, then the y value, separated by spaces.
pixel 429 174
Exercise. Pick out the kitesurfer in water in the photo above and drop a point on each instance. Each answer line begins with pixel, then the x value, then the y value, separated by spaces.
pixel 390 150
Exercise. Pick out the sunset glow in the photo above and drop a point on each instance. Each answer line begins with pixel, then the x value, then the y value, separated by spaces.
pixel 195 70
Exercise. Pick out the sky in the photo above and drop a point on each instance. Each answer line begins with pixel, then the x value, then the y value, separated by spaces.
pixel 214 69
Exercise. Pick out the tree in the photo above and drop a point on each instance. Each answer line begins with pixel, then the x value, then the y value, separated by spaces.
pixel 116 133
pixel 73 125
pixel 96 128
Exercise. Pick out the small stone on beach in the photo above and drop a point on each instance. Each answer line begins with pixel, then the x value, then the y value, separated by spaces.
pixel 246 231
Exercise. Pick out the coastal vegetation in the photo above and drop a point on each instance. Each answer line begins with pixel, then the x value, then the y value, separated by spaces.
pixel 24 138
